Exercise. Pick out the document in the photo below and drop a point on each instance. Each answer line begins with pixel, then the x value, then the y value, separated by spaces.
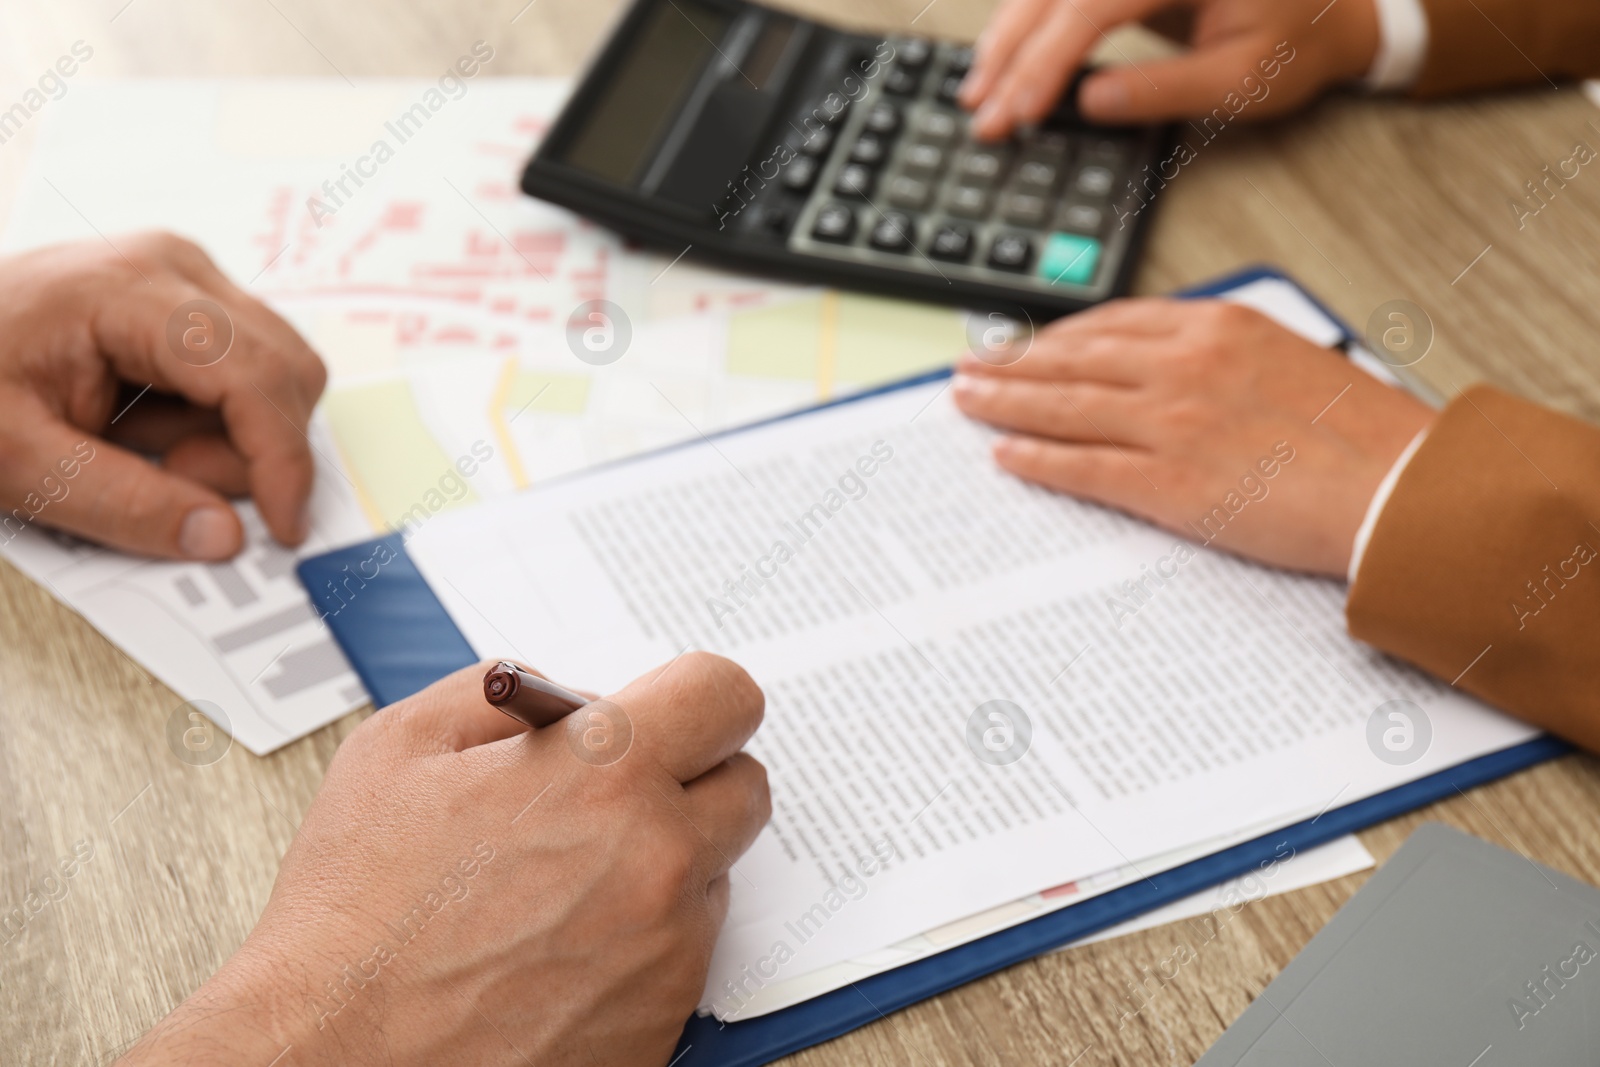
pixel 440 297
pixel 976 689
pixel 238 637
pixel 1339 857
pixel 1287 870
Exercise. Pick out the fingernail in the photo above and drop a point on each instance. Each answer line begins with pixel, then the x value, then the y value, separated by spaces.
pixel 968 93
pixel 1005 448
pixel 1104 98
pixel 969 387
pixel 988 116
pixel 208 533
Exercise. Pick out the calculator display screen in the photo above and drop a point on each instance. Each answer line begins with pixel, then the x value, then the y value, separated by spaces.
pixel 644 91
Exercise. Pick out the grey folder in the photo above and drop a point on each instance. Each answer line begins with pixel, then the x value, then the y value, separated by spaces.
pixel 1456 953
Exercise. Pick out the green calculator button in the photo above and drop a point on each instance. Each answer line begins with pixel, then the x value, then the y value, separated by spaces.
pixel 1069 259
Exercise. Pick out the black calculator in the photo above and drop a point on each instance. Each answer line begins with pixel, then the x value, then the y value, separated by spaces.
pixel 768 142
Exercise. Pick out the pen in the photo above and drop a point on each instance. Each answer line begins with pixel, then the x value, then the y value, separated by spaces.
pixel 526 697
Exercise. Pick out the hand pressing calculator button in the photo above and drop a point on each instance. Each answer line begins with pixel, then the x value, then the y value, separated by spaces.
pixel 881 186
pixel 1011 251
pixel 835 222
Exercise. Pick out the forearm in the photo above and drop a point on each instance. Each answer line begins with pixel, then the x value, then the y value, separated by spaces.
pixel 1483 567
pixel 262 1007
pixel 1482 44
pixel 238 1016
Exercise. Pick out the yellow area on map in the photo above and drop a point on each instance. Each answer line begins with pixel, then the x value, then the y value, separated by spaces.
pixel 354 347
pixel 520 390
pixel 530 390
pixel 843 338
pixel 390 455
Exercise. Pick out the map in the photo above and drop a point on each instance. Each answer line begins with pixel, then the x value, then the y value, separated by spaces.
pixel 477 340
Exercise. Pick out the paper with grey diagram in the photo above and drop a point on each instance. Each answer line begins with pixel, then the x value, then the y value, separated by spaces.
pixel 998 687
pixel 438 296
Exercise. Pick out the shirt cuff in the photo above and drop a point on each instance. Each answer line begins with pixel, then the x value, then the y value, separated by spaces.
pixel 1402 46
pixel 1379 499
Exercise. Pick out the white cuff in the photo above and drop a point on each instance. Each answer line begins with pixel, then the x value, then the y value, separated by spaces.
pixel 1402 45
pixel 1379 499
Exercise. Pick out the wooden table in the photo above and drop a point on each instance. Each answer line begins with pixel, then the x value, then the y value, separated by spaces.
pixel 1364 200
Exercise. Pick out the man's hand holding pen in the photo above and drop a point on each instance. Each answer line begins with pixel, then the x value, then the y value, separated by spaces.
pixel 458 865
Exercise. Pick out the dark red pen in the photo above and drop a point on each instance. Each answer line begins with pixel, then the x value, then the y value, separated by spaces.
pixel 528 698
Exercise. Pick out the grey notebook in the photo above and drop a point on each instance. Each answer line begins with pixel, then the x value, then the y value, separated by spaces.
pixel 1456 953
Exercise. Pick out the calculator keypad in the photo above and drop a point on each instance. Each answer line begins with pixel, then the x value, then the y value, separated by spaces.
pixel 1023 209
pixel 883 118
pixel 800 174
pixel 952 242
pixel 1011 251
pixel 834 222
pixel 921 158
pixel 818 141
pixel 869 149
pixel 900 181
pixel 909 191
pixel 1081 218
pixel 894 232
pixel 855 180
pixel 968 201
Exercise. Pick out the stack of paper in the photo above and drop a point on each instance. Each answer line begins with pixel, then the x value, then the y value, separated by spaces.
pixel 439 297
pixel 978 691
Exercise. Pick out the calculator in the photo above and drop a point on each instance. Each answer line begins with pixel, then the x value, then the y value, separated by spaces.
pixel 767 142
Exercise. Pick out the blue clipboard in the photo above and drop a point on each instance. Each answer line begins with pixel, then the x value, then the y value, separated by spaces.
pixel 399 638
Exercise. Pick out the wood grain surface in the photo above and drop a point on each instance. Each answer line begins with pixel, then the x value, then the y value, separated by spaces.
pixel 1365 200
